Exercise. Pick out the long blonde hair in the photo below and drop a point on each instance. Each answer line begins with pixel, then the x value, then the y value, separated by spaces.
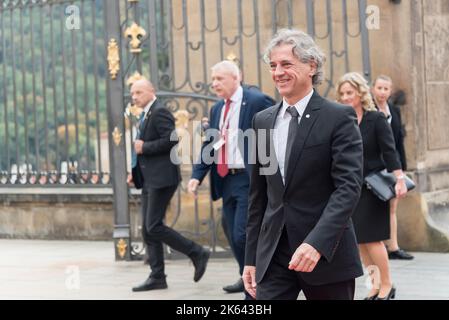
pixel 356 80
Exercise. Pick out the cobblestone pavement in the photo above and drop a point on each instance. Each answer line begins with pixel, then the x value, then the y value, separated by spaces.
pixel 34 269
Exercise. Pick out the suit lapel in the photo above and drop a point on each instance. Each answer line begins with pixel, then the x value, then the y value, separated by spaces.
pixel 147 117
pixel 308 118
pixel 270 123
pixel 216 117
pixel 243 109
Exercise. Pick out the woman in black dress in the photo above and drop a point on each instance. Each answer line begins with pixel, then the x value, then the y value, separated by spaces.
pixel 381 91
pixel 371 217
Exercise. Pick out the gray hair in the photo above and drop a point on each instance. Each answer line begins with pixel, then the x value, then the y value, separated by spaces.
pixel 304 48
pixel 229 66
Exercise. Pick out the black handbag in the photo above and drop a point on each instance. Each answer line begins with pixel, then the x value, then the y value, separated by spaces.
pixel 382 184
pixel 137 177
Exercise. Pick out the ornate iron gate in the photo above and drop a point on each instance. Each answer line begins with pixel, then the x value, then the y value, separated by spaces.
pixel 66 67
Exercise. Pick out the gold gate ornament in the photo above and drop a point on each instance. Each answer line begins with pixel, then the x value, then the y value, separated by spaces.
pixel 135 32
pixel 113 58
pixel 121 248
pixel 117 136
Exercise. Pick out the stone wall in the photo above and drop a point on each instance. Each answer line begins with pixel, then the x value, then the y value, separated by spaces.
pixel 88 214
pixel 55 215
pixel 413 48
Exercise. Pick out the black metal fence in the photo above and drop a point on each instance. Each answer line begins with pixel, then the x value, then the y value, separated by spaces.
pixel 53 127
pixel 65 67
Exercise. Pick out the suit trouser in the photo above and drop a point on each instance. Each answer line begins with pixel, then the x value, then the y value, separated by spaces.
pixel 280 283
pixel 155 232
pixel 235 213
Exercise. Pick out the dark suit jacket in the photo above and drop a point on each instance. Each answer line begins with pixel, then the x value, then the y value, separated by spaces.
pixel 155 165
pixel 378 144
pixel 398 134
pixel 321 190
pixel 253 101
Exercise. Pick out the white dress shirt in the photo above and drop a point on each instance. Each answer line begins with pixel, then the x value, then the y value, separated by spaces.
pixel 280 133
pixel 234 156
pixel 148 107
pixel 387 108
pixel 145 110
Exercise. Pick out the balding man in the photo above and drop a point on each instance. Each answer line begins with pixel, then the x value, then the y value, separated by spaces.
pixel 160 178
pixel 230 174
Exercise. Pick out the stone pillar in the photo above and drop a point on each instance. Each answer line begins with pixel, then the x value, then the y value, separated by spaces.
pixel 412 46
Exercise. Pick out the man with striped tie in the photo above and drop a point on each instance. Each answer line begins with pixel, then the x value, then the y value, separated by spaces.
pixel 231 116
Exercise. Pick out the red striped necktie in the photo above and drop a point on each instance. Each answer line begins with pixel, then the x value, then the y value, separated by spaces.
pixel 222 166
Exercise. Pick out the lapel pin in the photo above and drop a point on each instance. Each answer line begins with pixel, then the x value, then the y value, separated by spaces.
pixel 307 116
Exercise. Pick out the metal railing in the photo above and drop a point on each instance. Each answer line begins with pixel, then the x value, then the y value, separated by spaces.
pixel 53 127
pixel 62 109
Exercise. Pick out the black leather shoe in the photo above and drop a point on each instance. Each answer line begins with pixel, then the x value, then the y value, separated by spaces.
pixel 236 287
pixel 391 295
pixel 200 264
pixel 399 255
pixel 151 284
pixel 371 297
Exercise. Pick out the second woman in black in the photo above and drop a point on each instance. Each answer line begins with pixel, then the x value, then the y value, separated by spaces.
pixel 371 217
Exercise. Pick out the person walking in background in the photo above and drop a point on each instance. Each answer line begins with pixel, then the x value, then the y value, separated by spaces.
pixel 300 236
pixel 371 216
pixel 159 178
pixel 229 175
pixel 381 90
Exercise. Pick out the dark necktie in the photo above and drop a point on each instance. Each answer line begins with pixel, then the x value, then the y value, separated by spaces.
pixel 292 130
pixel 141 122
pixel 139 130
pixel 222 166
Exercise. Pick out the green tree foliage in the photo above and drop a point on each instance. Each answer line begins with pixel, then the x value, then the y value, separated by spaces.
pixel 52 85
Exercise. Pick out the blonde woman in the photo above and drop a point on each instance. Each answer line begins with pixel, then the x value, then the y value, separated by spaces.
pixel 371 217
pixel 381 91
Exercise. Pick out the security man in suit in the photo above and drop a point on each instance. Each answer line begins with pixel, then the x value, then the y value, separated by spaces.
pixel 159 177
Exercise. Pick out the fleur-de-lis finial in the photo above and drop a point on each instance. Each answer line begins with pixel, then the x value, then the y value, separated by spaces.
pixel 232 57
pixel 135 33
pixel 135 77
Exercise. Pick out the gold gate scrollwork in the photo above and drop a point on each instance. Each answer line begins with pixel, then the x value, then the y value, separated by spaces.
pixel 113 58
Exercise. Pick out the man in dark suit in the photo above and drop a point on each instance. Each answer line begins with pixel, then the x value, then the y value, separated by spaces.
pixel 304 185
pixel 381 90
pixel 229 174
pixel 159 177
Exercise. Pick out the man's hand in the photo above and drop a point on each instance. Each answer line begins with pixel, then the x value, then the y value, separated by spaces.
pixel 192 187
pixel 138 146
pixel 304 259
pixel 249 280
